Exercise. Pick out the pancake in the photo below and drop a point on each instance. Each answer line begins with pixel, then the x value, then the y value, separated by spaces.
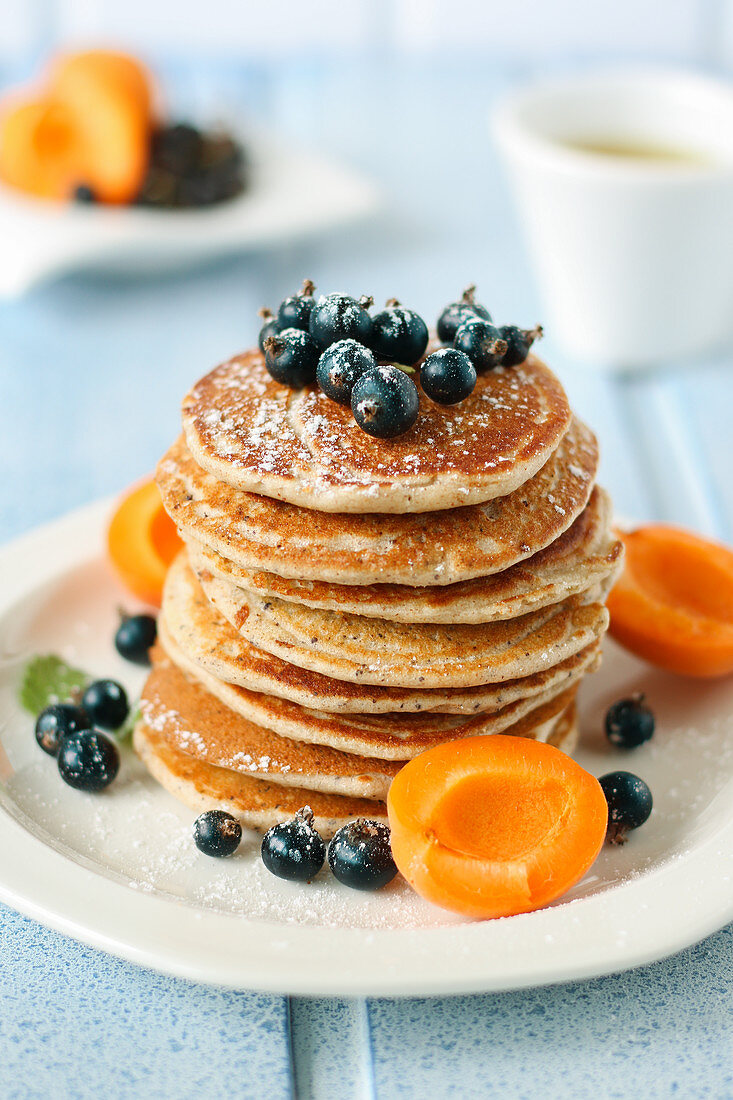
pixel 586 554
pixel 253 433
pixel 259 804
pixel 256 803
pixel 398 736
pixel 434 548
pixel 194 721
pixel 418 655
pixel 210 642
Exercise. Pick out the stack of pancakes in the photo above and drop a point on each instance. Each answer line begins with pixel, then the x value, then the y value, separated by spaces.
pixel 343 602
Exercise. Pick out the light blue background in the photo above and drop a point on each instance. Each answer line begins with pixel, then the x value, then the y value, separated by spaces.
pixel 91 375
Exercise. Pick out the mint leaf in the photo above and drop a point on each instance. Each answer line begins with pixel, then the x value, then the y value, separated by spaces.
pixel 133 717
pixel 48 680
pixel 404 367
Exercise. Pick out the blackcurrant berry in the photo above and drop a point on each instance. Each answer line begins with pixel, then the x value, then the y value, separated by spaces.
pixel 399 334
pixel 217 833
pixel 294 850
pixel 57 721
pixel 339 317
pixel 339 367
pixel 295 312
pixel 360 855
pixel 84 194
pixel 481 342
pixel 384 402
pixel 106 704
pixel 456 313
pixel 291 357
pixel 135 636
pixel 270 328
pixel 519 341
pixel 88 761
pixel 629 803
pixel 447 376
pixel 629 723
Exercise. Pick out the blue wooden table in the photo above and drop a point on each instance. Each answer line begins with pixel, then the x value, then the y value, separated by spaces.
pixel 91 375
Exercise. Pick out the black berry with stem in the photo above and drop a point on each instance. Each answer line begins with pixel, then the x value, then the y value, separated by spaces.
pixel 456 313
pixel 447 376
pixel 105 702
pixel 384 402
pixel 270 328
pixel 340 317
pixel 339 367
pixel 217 833
pixel 294 850
pixel 481 342
pixel 399 334
pixel 135 637
pixel 57 721
pixel 295 312
pixel 519 341
pixel 291 357
pixel 629 803
pixel 629 723
pixel 360 855
pixel 88 760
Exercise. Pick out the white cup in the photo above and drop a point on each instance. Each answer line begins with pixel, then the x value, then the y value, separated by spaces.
pixel 634 256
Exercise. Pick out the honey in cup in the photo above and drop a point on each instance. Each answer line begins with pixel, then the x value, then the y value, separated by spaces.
pixel 642 150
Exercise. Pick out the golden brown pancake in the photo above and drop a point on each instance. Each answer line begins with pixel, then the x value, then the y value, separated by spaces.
pixel 433 548
pixel 585 555
pixel 194 721
pixel 256 803
pixel 253 433
pixel 259 804
pixel 212 643
pixel 420 655
pixel 386 736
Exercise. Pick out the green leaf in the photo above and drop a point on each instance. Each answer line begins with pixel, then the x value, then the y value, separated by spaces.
pixel 404 367
pixel 133 717
pixel 48 680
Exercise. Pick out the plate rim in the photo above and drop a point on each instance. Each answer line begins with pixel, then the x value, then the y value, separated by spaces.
pixel 199 944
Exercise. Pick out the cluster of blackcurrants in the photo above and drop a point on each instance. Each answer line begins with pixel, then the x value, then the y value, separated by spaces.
pixel 359 854
pixel 364 360
pixel 76 733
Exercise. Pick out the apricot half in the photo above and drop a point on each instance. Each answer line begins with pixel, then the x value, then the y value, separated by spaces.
pixel 496 825
pixel 673 603
pixel 142 541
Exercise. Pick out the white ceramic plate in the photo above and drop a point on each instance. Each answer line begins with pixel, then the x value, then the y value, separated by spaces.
pixel 119 870
pixel 292 195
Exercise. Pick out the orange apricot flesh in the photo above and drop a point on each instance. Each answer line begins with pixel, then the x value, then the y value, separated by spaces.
pixel 142 541
pixel 494 826
pixel 673 604
pixel 118 70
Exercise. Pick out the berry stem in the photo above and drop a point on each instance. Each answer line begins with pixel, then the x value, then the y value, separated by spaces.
pixel 532 334
pixel 391 303
pixel 307 288
pixel 266 314
pixel 617 834
pixel 366 301
pixel 274 345
pixel 469 294
pixel 305 813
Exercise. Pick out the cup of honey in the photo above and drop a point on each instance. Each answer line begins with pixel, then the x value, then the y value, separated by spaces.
pixel 624 184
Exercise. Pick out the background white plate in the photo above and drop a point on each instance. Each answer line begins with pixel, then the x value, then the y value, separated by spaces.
pixel 119 870
pixel 292 194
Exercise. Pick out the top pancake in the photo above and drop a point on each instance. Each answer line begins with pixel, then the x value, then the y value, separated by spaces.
pixel 299 446
pixel 432 548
